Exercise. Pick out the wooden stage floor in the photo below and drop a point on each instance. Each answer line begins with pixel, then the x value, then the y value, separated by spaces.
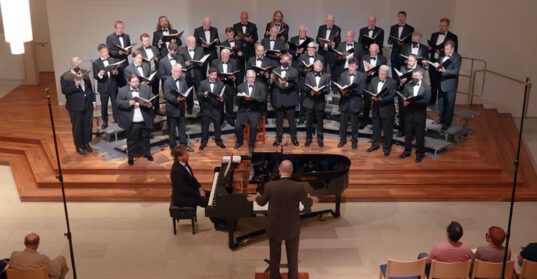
pixel 478 169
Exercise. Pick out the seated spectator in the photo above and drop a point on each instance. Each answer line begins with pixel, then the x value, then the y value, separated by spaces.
pixel 494 251
pixel 30 259
pixel 451 250
pixel 528 253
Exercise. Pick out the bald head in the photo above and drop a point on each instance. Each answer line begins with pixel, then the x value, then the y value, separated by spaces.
pixel 31 241
pixel 286 168
pixel 371 21
pixel 329 20
pixel 206 22
pixel 191 41
pixel 244 17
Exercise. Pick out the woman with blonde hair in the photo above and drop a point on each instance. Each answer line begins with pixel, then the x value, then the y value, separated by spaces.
pixel 277 20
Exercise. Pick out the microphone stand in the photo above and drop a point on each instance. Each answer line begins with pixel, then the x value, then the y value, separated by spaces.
pixel 60 178
pixel 527 90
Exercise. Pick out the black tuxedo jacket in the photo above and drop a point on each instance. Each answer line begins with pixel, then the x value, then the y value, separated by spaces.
pixel 112 40
pixel 185 187
pixel 232 66
pixel 156 53
pixel 248 47
pixel 406 50
pixel 317 101
pixel 284 96
pixel 165 66
pixel 449 36
pixel 126 111
pixel 394 31
pixel 259 93
pixel 378 34
pixel 199 33
pixel 353 99
pixel 195 72
pixel 265 62
pixel 235 54
pixel 105 84
pixel 279 44
pixel 342 47
pixel 77 99
pixel 386 107
pixel 296 40
pixel 173 107
pixel 416 111
pixel 304 57
pixel 210 105
pixel 132 69
pixel 284 33
pixel 449 79
pixel 163 49
pixel 381 60
pixel 335 35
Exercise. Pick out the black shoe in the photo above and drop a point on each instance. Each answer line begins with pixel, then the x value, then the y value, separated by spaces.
pixel 81 151
pixel 401 134
pixel 354 145
pixel 188 148
pixel 251 149
pixel 276 143
pixel 131 161
pixel 321 144
pixel 341 143
pixel 362 125
pixel 104 126
pixel 300 122
pixel 419 158
pixel 202 145
pixel 237 145
pixel 404 155
pixel 308 142
pixel 231 122
pixel 220 144
pixel 372 148
pixel 436 122
pixel 88 147
pixel 189 110
pixel 386 152
pixel 295 142
pixel 149 157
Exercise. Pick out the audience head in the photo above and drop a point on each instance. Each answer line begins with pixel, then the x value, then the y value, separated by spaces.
pixel 118 27
pixel 496 236
pixel 75 63
pixel 206 22
pixel 401 17
pixel 259 50
pixel 180 154
pixel 416 37
pixel 454 229
pixel 163 23
pixel 444 25
pixel 349 36
pixel 302 31
pixel 250 76
pixel 383 72
pixel 329 20
pixel 172 48
pixel 144 38
pixel 449 47
pixel 191 42
pixel 224 55
pixel 374 50
pixel 273 32
pixel 133 80
pixel 177 70
pixel 411 61
pixel 31 241
pixel 244 17
pixel 277 16
pixel 137 57
pixel 312 48
pixel 103 50
pixel 230 33
pixel 286 168
pixel 212 73
pixel 353 65
pixel 318 66
pixel 371 21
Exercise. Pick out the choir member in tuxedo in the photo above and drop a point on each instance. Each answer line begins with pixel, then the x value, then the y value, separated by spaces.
pixel 350 102
pixel 236 52
pixel 211 107
pixel 400 34
pixel 137 67
pixel 375 59
pixel 118 38
pixel 416 48
pixel 411 65
pixel 307 58
pixel 282 27
pixel 225 64
pixel 150 55
pixel 383 109
pixel 194 70
pixel 415 114
pixel 136 117
pixel 260 60
pixel 373 31
pixel 80 102
pixel 331 32
pixel 284 98
pixel 284 197
pixel 175 105
pixel 164 27
pixel 436 47
pixel 315 102
pixel 302 38
pixel 250 108
pixel 166 63
pixel 449 79
pixel 246 33
pixel 209 34
pixel 106 83
pixel 273 42
pixel 348 46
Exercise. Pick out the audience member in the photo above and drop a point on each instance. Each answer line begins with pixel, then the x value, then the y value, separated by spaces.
pixel 494 251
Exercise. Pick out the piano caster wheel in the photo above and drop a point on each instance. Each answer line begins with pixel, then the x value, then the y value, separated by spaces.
pixel 321 218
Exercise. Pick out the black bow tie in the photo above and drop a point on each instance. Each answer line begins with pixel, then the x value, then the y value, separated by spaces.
pixel 328 28
pixel 231 41
pixel 381 81
pixel 350 45
pixel 441 33
pixel 415 45
pixel 318 74
pixel 189 50
pixel 243 25
pixel 311 56
pixel 351 75
pixel 148 48
pixel 370 29
pixel 272 40
pixel 284 69
pixel 211 82
pixel 120 36
pixel 373 58
pixel 104 59
pixel 259 59
pixel 138 66
pixel 417 84
pixel 165 30
pixel 250 86
pixel 134 90
pixel 401 25
pixel 205 30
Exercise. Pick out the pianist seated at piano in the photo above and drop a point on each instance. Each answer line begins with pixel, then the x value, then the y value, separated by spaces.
pixel 186 190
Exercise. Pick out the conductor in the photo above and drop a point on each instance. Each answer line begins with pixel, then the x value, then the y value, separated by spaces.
pixel 283 224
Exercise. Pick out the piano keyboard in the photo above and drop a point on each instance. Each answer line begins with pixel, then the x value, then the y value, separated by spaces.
pixel 213 188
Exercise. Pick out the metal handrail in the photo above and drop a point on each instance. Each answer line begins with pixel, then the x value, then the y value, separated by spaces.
pixel 470 93
pixel 526 82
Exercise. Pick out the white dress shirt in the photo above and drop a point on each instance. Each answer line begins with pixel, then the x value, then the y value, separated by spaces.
pixel 224 67
pixel 208 36
pixel 416 89
pixel 186 167
pixel 400 31
pixel 137 116
pixel 380 85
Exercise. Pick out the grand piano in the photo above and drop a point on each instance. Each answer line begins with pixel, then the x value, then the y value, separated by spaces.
pixel 324 174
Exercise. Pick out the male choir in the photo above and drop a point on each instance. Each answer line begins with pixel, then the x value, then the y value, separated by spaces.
pixel 236 79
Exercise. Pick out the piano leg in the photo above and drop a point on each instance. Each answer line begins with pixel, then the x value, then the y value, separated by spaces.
pixel 231 227
pixel 338 203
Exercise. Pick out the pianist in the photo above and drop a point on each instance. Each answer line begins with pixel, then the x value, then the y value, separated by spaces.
pixel 186 190
pixel 283 223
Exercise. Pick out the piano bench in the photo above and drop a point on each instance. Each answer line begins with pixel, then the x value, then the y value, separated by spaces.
pixel 183 213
